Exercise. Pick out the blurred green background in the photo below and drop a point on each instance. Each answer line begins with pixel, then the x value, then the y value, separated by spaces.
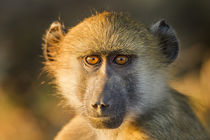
pixel 29 107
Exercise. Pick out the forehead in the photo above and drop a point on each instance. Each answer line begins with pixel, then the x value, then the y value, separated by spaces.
pixel 106 33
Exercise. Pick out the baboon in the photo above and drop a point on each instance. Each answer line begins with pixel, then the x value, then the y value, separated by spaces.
pixel 113 71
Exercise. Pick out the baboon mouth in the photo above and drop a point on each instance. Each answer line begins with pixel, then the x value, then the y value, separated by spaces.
pixel 105 122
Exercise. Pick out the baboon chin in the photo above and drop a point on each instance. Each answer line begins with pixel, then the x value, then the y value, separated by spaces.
pixel 113 71
pixel 105 122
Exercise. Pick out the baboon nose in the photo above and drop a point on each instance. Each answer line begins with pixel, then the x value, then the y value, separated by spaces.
pixel 100 105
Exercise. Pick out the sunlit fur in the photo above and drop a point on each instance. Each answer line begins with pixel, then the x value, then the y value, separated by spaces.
pixel 157 112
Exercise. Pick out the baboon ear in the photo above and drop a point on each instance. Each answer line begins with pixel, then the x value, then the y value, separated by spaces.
pixel 52 39
pixel 168 41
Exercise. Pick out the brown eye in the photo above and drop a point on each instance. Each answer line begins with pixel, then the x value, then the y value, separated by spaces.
pixel 121 59
pixel 92 60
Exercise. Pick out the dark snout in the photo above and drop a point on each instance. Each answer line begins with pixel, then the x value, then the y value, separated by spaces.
pixel 106 108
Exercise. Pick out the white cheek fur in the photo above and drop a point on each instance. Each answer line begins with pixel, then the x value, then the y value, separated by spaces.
pixel 67 81
pixel 151 88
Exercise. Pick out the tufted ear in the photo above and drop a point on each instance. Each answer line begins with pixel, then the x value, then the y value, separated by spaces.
pixel 52 39
pixel 167 38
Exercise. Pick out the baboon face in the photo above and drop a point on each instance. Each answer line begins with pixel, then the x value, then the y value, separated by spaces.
pixel 109 87
pixel 105 86
pixel 110 67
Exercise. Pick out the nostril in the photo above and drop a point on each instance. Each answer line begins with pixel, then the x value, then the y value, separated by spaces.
pixel 104 105
pixel 94 105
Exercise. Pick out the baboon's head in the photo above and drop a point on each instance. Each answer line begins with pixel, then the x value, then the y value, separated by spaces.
pixel 109 67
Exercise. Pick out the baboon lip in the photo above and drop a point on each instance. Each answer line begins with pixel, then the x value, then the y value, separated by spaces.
pixel 107 122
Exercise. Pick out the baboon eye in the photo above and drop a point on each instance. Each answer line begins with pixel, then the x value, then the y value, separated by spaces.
pixel 121 59
pixel 92 60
